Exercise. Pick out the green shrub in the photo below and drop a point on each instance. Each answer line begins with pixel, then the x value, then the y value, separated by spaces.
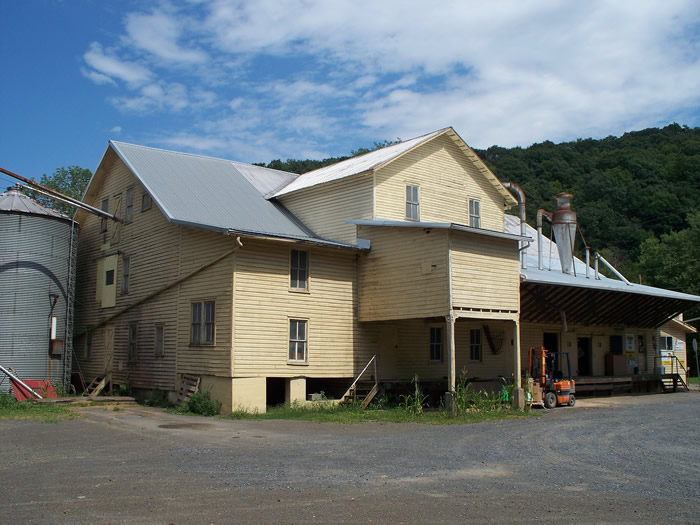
pixel 202 404
pixel 414 403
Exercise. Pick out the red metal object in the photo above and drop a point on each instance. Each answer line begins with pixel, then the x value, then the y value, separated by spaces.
pixel 43 387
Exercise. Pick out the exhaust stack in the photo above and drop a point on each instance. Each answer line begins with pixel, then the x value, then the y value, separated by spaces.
pixel 564 228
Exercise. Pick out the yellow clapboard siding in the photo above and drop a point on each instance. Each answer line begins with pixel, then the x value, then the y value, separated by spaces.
pixel 264 304
pixel 485 272
pixel 404 275
pixel 326 208
pixel 447 180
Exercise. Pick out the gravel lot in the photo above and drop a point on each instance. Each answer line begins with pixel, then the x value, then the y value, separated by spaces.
pixel 608 460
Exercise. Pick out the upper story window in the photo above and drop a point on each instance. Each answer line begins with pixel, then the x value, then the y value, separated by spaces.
pixel 436 343
pixel 474 213
pixel 103 221
pixel 299 270
pixel 146 201
pixel 202 323
pixel 129 212
pixel 475 344
pixel 412 202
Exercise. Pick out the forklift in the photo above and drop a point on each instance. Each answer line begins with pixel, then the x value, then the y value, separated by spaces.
pixel 549 386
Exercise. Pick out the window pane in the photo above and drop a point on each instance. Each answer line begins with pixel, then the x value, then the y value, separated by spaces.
pixel 109 277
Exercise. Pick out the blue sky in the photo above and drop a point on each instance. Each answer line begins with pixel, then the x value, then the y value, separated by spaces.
pixel 259 80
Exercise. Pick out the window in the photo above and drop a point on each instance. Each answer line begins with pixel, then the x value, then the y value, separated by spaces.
pixel 475 344
pixel 146 202
pixel 299 270
pixel 412 203
pixel 297 340
pixel 474 213
pixel 129 213
pixel 160 340
pixel 88 345
pixel 665 342
pixel 103 220
pixel 126 264
pixel 436 343
pixel 109 277
pixel 133 337
pixel 202 331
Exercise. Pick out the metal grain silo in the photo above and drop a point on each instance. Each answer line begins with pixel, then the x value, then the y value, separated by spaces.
pixel 38 248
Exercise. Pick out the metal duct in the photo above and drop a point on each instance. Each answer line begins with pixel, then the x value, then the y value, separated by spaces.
pixel 564 228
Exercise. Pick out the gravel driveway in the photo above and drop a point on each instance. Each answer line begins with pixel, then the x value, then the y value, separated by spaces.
pixel 611 460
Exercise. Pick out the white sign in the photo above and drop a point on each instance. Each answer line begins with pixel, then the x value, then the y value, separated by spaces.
pixel 680 344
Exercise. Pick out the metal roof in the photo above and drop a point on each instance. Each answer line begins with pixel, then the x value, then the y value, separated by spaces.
pixel 589 301
pixel 15 201
pixel 355 165
pixel 212 193
pixel 439 226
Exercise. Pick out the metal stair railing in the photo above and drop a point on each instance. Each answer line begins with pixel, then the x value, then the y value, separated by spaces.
pixel 676 369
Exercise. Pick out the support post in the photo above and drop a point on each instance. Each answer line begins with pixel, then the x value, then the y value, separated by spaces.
pixel 518 401
pixel 451 360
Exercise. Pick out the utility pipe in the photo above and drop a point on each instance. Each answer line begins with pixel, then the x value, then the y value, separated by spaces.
pixel 541 213
pixel 60 196
pixel 588 262
pixel 613 269
pixel 520 194
pixel 19 381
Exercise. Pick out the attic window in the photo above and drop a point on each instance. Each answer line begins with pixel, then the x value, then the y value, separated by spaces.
pixel 103 221
pixel 412 203
pixel 474 213
pixel 146 202
pixel 129 214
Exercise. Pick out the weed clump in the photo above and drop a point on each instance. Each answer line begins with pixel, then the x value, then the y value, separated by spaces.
pixel 202 404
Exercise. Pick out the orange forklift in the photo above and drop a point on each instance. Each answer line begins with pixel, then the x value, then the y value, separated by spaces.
pixel 549 386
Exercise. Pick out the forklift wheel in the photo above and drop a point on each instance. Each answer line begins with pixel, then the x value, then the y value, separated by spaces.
pixel 550 400
pixel 572 400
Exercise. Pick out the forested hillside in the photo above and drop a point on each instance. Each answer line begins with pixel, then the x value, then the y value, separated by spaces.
pixel 637 196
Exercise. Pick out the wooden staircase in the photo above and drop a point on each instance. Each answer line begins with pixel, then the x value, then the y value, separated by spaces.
pixel 96 386
pixel 362 392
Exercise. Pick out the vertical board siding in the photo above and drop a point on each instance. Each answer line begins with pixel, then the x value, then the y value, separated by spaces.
pixel 326 208
pixel 447 180
pixel 264 304
pixel 404 276
pixel 485 272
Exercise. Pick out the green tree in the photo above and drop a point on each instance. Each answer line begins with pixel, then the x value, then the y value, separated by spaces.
pixel 70 181
pixel 673 260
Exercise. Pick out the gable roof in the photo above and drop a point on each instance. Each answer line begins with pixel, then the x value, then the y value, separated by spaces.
pixel 381 157
pixel 210 193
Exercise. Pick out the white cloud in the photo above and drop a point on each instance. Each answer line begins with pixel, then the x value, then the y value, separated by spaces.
pixel 307 74
pixel 107 66
pixel 116 130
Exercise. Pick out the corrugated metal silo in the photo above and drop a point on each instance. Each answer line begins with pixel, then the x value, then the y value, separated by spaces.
pixel 38 248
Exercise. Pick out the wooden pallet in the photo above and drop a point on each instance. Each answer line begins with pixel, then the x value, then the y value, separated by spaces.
pixel 189 384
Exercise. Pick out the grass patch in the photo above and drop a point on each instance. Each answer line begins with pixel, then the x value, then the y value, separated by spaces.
pixel 10 408
pixel 693 380
pixel 331 413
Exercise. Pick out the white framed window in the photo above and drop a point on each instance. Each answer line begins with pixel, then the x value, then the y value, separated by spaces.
pixel 146 201
pixel 665 342
pixel 159 340
pixel 297 340
pixel 412 202
pixel 474 213
pixel 475 344
pixel 129 212
pixel 133 341
pixel 126 268
pixel 103 221
pixel 202 331
pixel 299 270
pixel 436 343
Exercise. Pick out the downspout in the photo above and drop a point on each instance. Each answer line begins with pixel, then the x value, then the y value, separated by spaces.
pixel 520 194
